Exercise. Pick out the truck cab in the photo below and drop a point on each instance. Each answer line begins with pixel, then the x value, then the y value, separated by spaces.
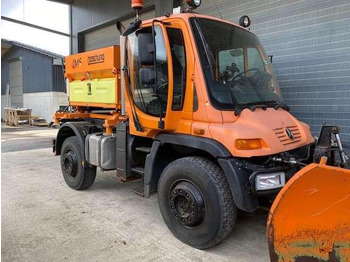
pixel 198 117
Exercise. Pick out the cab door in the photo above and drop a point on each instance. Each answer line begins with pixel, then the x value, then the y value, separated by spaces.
pixel 163 101
pixel 147 102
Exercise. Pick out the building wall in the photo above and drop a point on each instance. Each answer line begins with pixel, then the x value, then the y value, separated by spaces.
pixel 43 83
pixel 43 104
pixel 87 14
pixel 5 74
pixel 37 70
pixel 309 41
pixel 310 44
pixel 58 81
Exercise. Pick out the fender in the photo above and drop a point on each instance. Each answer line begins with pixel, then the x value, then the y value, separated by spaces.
pixel 211 146
pixel 235 179
pixel 78 129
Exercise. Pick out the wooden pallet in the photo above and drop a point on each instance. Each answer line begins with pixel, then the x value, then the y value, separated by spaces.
pixel 15 116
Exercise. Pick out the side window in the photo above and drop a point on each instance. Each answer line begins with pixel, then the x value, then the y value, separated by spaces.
pixel 145 96
pixel 254 59
pixel 178 54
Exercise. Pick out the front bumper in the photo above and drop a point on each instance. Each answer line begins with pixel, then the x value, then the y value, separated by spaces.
pixel 241 176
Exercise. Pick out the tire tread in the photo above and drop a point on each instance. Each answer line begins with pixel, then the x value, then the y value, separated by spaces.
pixel 217 178
pixel 227 204
pixel 89 172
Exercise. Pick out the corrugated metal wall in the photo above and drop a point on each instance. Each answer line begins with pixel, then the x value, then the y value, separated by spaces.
pixel 58 82
pixel 310 44
pixel 109 35
pixel 310 41
pixel 90 13
pixel 37 70
pixel 4 75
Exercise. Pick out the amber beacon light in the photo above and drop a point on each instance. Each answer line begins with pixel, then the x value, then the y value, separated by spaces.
pixel 137 4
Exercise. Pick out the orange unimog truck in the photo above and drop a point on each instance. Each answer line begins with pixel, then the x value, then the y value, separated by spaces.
pixel 190 105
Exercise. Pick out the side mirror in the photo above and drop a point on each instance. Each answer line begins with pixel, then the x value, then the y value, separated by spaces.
pixel 146 49
pixel 147 76
pixel 132 28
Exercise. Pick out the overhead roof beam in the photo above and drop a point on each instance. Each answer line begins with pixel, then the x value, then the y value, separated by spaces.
pixel 34 26
pixel 68 2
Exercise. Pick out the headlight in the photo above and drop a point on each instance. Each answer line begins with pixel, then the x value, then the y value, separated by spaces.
pixel 245 21
pixel 269 181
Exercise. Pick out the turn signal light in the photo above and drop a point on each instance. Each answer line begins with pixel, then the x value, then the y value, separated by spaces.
pixel 248 144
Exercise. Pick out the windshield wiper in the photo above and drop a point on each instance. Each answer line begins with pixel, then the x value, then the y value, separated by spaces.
pixel 207 49
pixel 237 109
pixel 278 104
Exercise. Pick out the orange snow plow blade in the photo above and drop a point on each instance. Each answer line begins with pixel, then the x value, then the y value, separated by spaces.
pixel 310 218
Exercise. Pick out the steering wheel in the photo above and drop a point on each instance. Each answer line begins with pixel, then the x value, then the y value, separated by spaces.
pixel 162 89
pixel 229 71
pixel 244 72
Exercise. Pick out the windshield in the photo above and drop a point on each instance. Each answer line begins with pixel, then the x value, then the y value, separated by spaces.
pixel 236 68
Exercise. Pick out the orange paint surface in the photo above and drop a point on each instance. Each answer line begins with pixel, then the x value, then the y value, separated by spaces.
pixel 95 64
pixel 311 216
pixel 99 63
pixel 223 126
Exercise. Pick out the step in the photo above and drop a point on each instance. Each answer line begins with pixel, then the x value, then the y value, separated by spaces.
pixel 143 149
pixel 138 170
pixel 139 191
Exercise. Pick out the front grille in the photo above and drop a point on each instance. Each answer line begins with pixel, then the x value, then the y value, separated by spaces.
pixel 283 137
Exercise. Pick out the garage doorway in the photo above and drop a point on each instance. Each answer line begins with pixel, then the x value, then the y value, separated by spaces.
pixel 109 34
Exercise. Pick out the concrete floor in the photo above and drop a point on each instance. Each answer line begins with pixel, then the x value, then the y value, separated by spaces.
pixel 45 220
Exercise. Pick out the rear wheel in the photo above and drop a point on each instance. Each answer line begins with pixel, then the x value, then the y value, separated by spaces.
pixel 196 202
pixel 75 174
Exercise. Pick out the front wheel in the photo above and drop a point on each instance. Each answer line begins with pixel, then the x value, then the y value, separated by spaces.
pixel 196 202
pixel 76 175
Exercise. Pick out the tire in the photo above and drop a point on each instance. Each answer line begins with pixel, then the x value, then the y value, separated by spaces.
pixel 196 202
pixel 74 173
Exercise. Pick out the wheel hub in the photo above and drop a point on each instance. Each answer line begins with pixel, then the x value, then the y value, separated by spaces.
pixel 186 204
pixel 70 163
